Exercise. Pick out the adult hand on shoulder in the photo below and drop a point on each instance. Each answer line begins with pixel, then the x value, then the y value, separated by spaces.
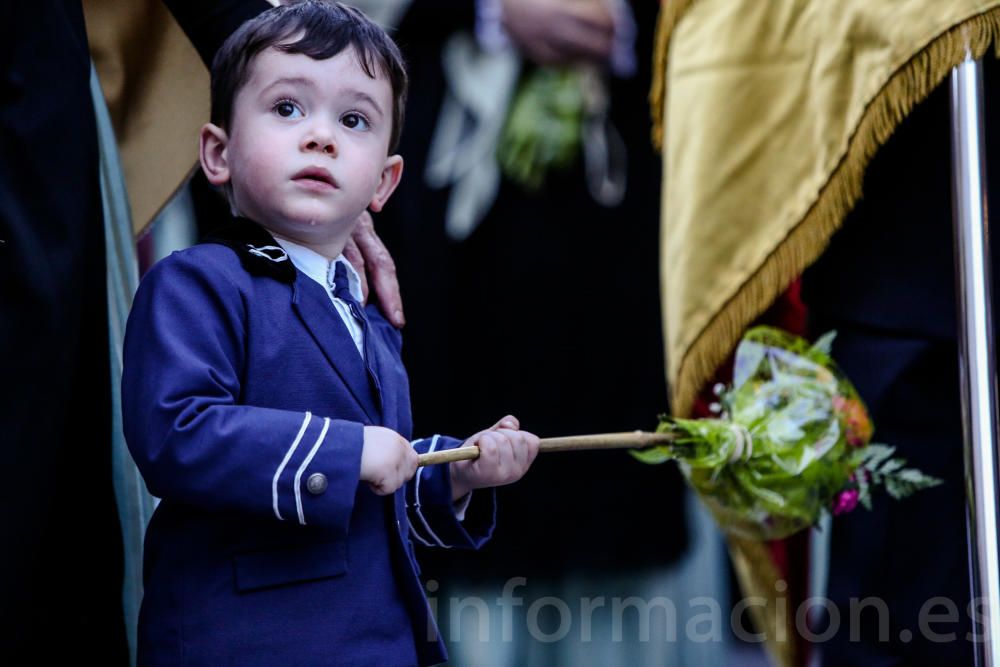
pixel 556 32
pixel 369 256
pixel 505 454
pixel 388 460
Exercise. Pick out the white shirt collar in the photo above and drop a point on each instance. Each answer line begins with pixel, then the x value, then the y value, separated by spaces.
pixel 319 268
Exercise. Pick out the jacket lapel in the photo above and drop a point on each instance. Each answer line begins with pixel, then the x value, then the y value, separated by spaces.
pixel 386 366
pixel 322 320
pixel 261 255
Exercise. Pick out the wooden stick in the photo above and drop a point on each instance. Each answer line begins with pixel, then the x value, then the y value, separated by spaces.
pixel 629 440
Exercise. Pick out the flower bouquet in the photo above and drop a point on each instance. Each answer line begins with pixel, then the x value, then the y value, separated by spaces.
pixel 544 125
pixel 792 440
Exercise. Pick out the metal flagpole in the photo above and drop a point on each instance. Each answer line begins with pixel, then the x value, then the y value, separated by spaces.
pixel 977 355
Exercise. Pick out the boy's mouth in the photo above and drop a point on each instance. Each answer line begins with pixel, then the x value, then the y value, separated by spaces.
pixel 315 176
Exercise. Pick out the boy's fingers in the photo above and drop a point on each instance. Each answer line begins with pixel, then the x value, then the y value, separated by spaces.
pixel 408 470
pixel 488 445
pixel 474 438
pixel 411 460
pixel 534 445
pixel 510 421
pixel 498 454
pixel 505 449
pixel 525 448
pixel 522 452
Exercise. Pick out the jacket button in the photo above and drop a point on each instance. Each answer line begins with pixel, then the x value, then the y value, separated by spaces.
pixel 316 484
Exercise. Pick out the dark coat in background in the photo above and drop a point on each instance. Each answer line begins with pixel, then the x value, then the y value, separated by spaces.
pixel 887 285
pixel 61 568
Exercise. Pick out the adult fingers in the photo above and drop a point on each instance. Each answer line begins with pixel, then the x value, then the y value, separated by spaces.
pixel 381 269
pixel 545 53
pixel 559 32
pixel 585 31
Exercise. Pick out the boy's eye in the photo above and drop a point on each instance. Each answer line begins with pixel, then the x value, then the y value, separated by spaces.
pixel 354 121
pixel 288 109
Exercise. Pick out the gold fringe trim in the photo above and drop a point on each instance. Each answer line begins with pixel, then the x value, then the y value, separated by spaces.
pixel 759 577
pixel 670 13
pixel 911 84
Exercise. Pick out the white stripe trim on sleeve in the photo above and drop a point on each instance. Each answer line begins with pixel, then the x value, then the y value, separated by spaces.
pixel 284 462
pixel 420 538
pixel 416 497
pixel 413 527
pixel 305 464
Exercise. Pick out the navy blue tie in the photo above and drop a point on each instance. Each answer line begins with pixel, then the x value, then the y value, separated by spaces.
pixel 342 291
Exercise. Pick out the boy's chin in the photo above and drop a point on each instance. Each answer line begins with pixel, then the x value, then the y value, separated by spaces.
pixel 315 228
pixel 311 214
pixel 325 222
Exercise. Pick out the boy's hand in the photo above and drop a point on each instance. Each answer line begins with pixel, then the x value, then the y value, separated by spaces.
pixel 388 460
pixel 505 454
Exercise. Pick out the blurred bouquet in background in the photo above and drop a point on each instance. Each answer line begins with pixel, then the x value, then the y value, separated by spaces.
pixel 557 116
pixel 544 125
pixel 792 441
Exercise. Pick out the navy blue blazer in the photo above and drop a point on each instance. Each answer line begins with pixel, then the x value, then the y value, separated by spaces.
pixel 244 401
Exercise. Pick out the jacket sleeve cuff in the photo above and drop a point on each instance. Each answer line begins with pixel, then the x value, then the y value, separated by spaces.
pixel 432 513
pixel 322 477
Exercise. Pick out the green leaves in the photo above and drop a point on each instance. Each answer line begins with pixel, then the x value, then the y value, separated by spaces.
pixel 908 481
pixel 877 467
pixel 543 130
pixel 824 344
pixel 793 437
pixel 874 455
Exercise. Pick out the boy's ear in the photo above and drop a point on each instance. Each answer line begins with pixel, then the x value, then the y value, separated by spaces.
pixel 391 173
pixel 213 141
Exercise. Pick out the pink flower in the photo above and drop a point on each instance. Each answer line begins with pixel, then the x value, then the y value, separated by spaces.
pixel 845 502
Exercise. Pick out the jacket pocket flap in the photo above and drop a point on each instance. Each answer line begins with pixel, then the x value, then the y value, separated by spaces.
pixel 275 567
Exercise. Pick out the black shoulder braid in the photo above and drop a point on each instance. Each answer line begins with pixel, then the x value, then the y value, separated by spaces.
pixel 259 253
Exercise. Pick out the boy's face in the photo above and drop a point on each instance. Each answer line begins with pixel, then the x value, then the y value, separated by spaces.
pixel 306 152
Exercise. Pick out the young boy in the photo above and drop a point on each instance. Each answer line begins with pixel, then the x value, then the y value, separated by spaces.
pixel 266 407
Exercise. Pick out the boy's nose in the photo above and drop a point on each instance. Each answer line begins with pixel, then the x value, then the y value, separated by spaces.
pixel 321 142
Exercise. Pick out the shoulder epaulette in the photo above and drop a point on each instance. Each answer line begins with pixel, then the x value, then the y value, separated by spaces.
pixel 259 253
